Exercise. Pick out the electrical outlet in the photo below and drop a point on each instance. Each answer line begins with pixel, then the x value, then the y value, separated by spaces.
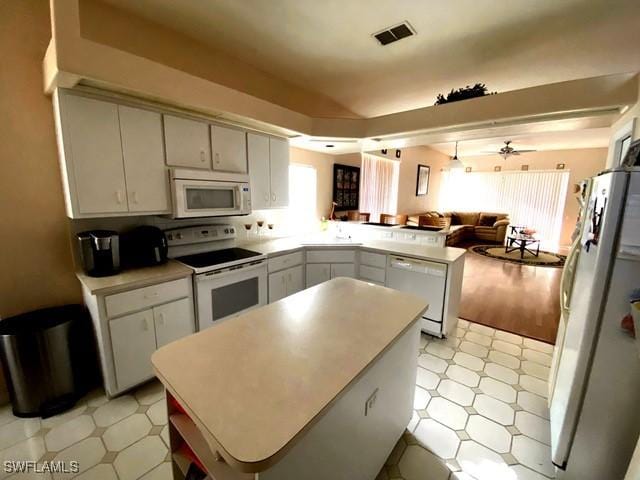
pixel 371 401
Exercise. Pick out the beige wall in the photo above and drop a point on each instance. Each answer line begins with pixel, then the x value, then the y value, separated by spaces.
pixel 410 158
pixel 408 202
pixel 323 163
pixel 110 26
pixel 581 164
pixel 37 270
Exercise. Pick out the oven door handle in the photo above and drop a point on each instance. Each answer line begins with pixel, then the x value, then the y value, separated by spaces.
pixel 205 277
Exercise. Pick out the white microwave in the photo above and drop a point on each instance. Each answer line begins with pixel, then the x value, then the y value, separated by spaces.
pixel 201 193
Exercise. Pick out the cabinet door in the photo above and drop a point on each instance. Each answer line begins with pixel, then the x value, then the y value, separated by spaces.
pixel 258 154
pixel 91 136
pixel 143 150
pixel 294 279
pixel 187 142
pixel 279 164
pixel 277 286
pixel 343 270
pixel 317 273
pixel 173 321
pixel 133 341
pixel 229 149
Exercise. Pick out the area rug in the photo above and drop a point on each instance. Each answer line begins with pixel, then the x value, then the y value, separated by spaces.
pixel 544 259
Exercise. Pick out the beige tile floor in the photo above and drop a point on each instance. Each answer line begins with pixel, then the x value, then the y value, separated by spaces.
pixel 479 413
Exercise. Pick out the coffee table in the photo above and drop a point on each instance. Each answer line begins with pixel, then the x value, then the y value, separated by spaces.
pixel 518 241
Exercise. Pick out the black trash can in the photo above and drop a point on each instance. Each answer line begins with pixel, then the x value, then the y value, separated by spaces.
pixel 47 359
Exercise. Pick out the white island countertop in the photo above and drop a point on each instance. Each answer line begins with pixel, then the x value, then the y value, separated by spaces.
pixel 253 385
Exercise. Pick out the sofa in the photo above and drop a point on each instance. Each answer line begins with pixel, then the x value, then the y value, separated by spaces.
pixel 481 226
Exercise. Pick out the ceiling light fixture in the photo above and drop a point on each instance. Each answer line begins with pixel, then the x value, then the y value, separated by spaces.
pixel 455 161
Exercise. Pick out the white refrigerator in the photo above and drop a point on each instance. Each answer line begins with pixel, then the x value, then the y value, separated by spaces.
pixel 595 380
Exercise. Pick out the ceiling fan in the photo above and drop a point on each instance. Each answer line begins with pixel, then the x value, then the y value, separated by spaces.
pixel 507 151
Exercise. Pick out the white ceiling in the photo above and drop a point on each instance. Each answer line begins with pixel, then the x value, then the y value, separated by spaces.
pixel 326 46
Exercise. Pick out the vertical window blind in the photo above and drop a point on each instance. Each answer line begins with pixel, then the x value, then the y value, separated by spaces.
pixel 378 186
pixel 532 199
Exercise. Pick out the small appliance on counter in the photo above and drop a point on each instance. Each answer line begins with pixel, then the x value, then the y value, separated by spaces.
pixel 100 252
pixel 144 246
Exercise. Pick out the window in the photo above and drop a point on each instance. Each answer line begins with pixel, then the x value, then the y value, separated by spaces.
pixel 379 186
pixel 532 199
pixel 302 197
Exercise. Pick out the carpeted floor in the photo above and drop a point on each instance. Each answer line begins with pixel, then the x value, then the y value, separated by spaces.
pixel 516 298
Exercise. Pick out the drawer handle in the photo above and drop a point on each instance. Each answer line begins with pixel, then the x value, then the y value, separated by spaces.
pixel 161 319
pixel 151 295
pixel 202 155
pixel 145 325
pixel 273 197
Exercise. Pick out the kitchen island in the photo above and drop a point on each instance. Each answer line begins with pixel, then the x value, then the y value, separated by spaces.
pixel 317 385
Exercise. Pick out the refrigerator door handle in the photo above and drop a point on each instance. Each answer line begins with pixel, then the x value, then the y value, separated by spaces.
pixel 566 280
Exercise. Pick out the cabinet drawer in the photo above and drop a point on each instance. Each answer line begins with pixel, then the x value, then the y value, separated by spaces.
pixel 331 256
pixel 140 298
pixel 372 273
pixel 373 259
pixel 285 261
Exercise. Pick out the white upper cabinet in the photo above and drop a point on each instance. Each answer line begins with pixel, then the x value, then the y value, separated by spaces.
pixel 91 156
pixel 187 142
pixel 229 149
pixel 268 171
pixel 143 151
pixel 259 176
pixel 279 161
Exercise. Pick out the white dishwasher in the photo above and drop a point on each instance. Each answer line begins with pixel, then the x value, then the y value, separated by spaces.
pixel 424 279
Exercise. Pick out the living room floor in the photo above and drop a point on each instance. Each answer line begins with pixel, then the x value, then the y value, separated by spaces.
pixel 515 298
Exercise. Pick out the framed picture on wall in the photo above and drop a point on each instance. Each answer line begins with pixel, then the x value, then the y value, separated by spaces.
pixel 422 180
pixel 346 187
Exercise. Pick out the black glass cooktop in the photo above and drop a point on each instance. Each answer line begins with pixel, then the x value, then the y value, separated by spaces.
pixel 217 257
pixel 378 224
pixel 426 228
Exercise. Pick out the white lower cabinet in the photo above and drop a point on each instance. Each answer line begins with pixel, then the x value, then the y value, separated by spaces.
pixel 323 265
pixel 133 341
pixel 277 286
pixel 130 325
pixel 318 273
pixel 343 270
pixel 173 321
pixel 286 276
pixel 136 336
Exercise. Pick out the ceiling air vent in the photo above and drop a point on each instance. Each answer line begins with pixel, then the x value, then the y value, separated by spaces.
pixel 393 34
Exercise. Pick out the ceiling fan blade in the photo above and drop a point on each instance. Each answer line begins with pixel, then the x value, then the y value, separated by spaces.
pixel 526 151
pixel 515 152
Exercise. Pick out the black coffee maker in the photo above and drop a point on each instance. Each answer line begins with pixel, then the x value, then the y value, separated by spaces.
pixel 100 252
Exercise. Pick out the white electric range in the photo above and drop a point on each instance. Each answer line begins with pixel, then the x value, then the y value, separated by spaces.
pixel 227 280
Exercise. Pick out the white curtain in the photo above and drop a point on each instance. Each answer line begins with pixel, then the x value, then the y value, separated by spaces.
pixel 532 199
pixel 378 186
